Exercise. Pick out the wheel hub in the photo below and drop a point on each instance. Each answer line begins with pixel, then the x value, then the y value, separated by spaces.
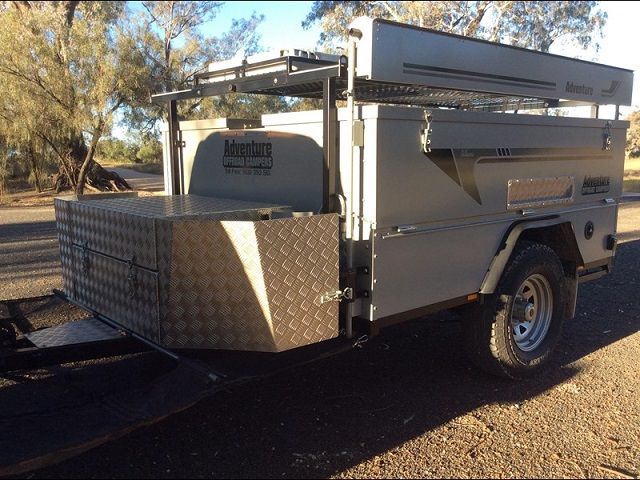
pixel 531 313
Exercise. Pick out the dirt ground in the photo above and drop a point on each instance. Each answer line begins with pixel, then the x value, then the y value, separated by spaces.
pixel 408 404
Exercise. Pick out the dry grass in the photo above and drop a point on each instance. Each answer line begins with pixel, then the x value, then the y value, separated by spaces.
pixel 631 181
pixel 28 198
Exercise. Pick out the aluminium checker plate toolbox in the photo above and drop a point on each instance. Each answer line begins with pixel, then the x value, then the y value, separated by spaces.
pixel 200 272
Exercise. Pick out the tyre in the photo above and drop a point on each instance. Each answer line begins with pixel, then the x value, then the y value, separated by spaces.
pixel 514 332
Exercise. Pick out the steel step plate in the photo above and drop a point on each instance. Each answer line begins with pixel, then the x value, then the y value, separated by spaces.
pixel 80 331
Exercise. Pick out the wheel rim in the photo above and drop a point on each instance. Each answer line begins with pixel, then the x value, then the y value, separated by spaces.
pixel 532 312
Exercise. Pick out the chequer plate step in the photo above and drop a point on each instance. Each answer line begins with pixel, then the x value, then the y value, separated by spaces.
pixel 80 331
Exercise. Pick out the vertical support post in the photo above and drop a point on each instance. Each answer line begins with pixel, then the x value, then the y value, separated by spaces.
pixel 329 144
pixel 174 150
pixel 617 117
pixel 351 74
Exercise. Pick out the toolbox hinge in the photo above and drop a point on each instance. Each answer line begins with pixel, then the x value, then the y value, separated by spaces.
pixel 336 296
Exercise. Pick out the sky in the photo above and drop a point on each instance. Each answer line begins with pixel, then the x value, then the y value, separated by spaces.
pixel 282 28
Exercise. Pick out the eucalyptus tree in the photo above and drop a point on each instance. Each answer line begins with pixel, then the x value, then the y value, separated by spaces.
pixel 530 24
pixel 66 67
pixel 633 134
pixel 173 39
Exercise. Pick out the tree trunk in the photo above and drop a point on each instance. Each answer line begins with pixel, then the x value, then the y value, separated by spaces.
pixel 35 169
pixel 88 158
pixel 94 175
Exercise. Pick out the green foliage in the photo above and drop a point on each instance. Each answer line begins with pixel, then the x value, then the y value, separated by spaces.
pixel 175 50
pixel 146 149
pixel 115 150
pixel 238 106
pixel 531 24
pixel 66 68
pixel 633 135
pixel 150 151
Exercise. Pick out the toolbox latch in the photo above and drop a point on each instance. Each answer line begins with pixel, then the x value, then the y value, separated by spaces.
pixel 336 296
pixel 425 132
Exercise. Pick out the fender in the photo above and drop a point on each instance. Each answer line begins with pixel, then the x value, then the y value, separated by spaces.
pixel 569 250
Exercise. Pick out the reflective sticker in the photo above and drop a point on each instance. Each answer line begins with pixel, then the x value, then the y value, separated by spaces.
pixel 539 192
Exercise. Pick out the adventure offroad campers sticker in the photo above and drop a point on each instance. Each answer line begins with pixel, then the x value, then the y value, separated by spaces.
pixel 578 88
pixel 593 185
pixel 459 164
pixel 247 157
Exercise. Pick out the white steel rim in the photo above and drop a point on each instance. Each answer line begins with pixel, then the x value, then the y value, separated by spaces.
pixel 532 312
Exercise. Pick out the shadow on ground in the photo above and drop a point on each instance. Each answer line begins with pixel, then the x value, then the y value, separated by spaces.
pixel 320 419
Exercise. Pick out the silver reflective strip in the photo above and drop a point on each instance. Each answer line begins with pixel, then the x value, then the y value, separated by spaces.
pixel 539 192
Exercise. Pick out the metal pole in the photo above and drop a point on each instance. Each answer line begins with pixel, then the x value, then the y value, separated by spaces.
pixel 211 375
pixel 174 149
pixel 329 144
pixel 351 72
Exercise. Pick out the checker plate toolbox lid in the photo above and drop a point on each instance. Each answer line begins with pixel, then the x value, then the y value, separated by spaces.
pixel 198 272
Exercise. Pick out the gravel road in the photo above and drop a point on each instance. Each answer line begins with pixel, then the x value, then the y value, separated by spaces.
pixel 407 404
pixel 141 181
pixel 29 255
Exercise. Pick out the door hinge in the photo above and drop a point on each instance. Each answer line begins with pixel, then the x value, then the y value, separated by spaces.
pixel 336 296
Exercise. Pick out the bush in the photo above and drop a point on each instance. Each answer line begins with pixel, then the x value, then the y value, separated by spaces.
pixel 116 151
pixel 150 152
pixel 633 135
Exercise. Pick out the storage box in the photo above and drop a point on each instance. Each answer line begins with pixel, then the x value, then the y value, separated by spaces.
pixel 199 272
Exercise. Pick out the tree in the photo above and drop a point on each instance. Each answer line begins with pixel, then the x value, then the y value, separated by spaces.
pixel 150 151
pixel 66 67
pixel 633 134
pixel 531 24
pixel 115 150
pixel 175 50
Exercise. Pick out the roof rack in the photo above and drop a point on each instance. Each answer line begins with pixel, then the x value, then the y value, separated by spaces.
pixel 402 64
